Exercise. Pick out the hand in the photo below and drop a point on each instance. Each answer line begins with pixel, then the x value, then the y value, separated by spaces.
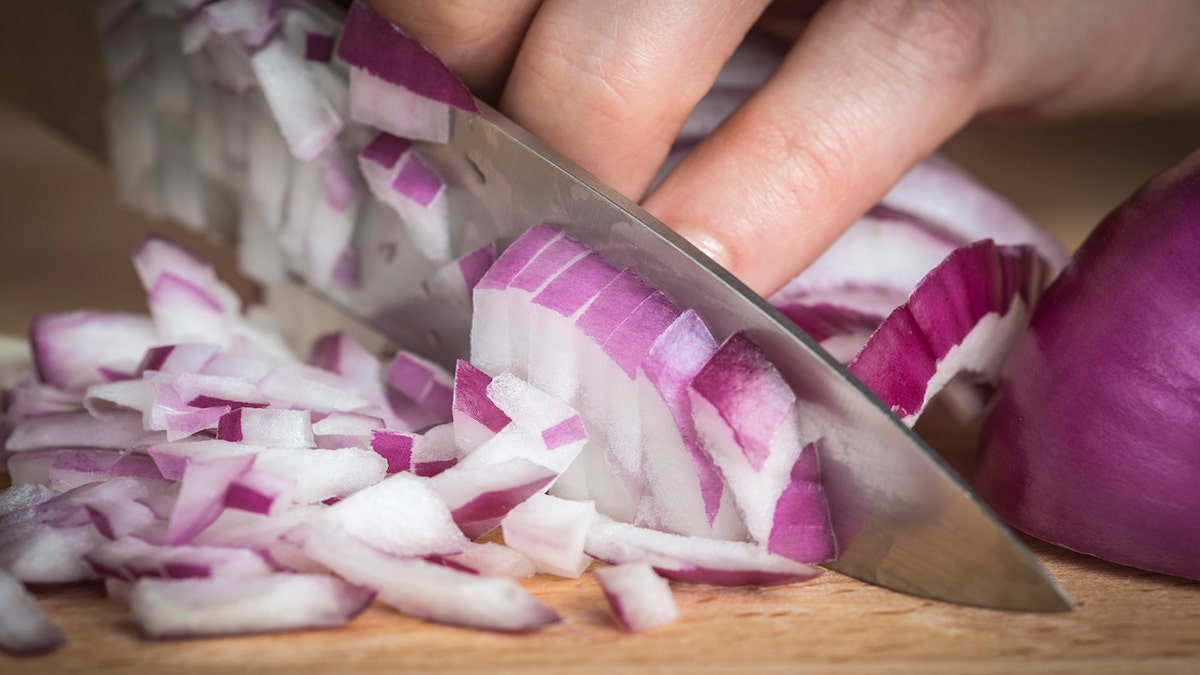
pixel 868 89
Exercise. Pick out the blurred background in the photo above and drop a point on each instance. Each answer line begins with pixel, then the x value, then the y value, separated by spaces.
pixel 65 240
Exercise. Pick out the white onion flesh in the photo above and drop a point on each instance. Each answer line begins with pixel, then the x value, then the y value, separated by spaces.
pixel 640 599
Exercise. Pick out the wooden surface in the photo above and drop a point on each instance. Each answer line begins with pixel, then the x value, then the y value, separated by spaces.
pixel 65 245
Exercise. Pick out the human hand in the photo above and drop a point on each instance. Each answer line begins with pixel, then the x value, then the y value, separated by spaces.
pixel 868 89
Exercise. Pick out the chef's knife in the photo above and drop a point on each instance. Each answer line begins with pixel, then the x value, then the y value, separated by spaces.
pixel 903 519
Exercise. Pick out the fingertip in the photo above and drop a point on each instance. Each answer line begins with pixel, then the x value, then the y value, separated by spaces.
pixel 709 245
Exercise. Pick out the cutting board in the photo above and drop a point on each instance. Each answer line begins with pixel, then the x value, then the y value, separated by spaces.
pixel 66 243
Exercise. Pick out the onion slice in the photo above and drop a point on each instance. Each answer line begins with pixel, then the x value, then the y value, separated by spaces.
pixel 279 602
pixel 396 83
pixel 640 599
pixel 24 627
pixel 963 316
pixel 696 560
pixel 431 591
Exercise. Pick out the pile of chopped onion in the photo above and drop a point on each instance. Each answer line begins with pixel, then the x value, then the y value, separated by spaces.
pixel 218 483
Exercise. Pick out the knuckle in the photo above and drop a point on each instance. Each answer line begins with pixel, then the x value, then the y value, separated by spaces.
pixel 464 20
pixel 940 39
pixel 800 171
pixel 605 86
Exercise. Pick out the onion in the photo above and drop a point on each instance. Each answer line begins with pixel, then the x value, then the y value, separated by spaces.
pixel 1091 442
pixel 202 495
pixel 476 416
pixel 639 598
pixel 857 298
pixel 24 627
pixel 432 591
pixel 747 421
pixel 395 447
pixel 374 514
pixel 75 349
pixel 132 558
pixel 222 469
pixel 963 316
pixel 690 559
pixel 252 21
pixel 552 533
pixel 279 602
pixel 480 495
pixel 398 85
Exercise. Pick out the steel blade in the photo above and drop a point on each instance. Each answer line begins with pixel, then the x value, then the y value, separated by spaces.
pixel 903 519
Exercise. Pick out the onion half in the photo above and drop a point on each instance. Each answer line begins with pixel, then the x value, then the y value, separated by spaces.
pixel 1092 440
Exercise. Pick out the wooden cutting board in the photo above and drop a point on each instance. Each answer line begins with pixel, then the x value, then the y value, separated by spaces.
pixel 65 246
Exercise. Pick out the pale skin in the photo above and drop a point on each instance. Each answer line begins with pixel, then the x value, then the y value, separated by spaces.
pixel 868 88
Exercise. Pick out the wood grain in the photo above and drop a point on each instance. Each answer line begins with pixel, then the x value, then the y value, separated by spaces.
pixel 66 244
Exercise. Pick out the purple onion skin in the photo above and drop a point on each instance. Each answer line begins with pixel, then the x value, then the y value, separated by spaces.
pixel 1093 440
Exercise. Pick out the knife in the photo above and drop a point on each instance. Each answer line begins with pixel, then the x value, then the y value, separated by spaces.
pixel 903 519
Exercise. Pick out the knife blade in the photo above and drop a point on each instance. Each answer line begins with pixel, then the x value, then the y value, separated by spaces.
pixel 903 519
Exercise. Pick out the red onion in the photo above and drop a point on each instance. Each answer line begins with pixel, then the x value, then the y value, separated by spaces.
pixel 1092 439
pixel 689 559
pixel 430 590
pixel 202 495
pixel 479 495
pixel 963 316
pixel 639 598
pixel 396 84
pixel 748 422
pixel 24 627
pixel 279 602
pixel 551 532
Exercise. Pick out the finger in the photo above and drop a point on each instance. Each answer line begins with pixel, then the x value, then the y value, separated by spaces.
pixel 478 39
pixel 1063 59
pixel 609 84
pixel 869 89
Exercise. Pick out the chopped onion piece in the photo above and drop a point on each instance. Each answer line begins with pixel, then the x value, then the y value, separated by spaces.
pixel 430 591
pixel 402 515
pixel 475 416
pixel 118 430
pixel 72 350
pixel 396 84
pixel 423 381
pixel 494 560
pixel 271 427
pixel 639 598
pixel 964 315
pixel 552 532
pixel 279 602
pixel 24 627
pixel 747 420
pixel 479 495
pixel 202 494
pixel 697 560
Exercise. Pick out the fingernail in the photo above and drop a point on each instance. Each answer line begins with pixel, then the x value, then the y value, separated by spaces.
pixel 709 246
